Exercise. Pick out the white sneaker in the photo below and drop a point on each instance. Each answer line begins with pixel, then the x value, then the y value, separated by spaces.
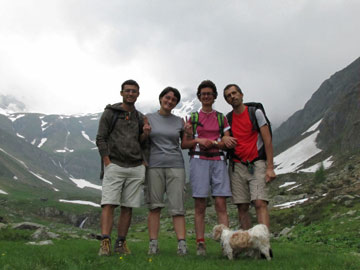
pixel 182 248
pixel 153 247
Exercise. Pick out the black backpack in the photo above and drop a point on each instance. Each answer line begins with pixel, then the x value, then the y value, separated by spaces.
pixel 252 107
pixel 114 119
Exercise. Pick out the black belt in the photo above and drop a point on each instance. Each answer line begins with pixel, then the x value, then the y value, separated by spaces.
pixel 206 154
pixel 248 164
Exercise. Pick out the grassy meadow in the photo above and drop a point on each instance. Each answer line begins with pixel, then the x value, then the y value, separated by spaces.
pixel 69 253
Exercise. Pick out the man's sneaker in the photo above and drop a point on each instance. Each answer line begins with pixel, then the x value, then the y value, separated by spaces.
pixel 121 247
pixel 153 247
pixel 182 248
pixel 105 247
pixel 200 249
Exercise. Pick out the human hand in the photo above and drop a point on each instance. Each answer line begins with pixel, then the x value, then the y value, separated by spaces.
pixel 188 129
pixel 230 142
pixel 146 127
pixel 106 160
pixel 205 143
pixel 270 175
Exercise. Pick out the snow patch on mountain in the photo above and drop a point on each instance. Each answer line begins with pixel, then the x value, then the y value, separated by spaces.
pixel 64 150
pixel 291 204
pixel 186 108
pixel 41 178
pixel 292 158
pixel 87 136
pixel 80 202
pixel 293 187
pixel 13 118
pixel 82 183
pixel 18 160
pixel 3 192
pixel 287 184
pixel 43 140
pixel 326 163
pixel 20 136
pixel 313 127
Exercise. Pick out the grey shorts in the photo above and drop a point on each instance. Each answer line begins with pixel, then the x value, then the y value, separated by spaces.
pixel 123 186
pixel 166 180
pixel 206 175
pixel 246 187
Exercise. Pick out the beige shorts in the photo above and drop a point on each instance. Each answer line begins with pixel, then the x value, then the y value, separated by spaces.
pixel 122 186
pixel 166 180
pixel 246 187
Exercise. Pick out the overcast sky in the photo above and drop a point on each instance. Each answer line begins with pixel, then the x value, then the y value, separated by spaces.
pixel 71 56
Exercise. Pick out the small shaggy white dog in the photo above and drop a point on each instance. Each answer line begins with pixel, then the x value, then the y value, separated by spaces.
pixel 252 241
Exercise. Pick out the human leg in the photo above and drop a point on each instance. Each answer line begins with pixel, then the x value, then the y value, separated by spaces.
pixel 175 191
pixel 154 223
pixel 179 227
pixel 262 212
pixel 244 217
pixel 124 221
pixel 107 214
pixel 200 209
pixel 220 208
pixel 259 191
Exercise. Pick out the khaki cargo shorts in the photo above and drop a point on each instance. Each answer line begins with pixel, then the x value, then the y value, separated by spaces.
pixel 166 180
pixel 123 186
pixel 246 187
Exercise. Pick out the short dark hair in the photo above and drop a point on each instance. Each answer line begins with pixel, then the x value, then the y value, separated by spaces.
pixel 171 89
pixel 130 82
pixel 232 85
pixel 207 84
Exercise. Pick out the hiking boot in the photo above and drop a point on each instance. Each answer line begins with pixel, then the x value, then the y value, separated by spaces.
pixel 153 247
pixel 182 248
pixel 121 247
pixel 200 249
pixel 105 247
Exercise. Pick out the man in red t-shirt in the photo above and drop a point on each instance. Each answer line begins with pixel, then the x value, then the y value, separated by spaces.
pixel 252 160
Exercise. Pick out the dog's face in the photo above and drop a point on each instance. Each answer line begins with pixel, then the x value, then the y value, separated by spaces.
pixel 217 231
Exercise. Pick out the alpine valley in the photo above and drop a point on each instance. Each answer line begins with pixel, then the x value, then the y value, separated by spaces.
pixel 49 165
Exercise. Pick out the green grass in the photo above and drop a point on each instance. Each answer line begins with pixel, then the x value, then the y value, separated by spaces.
pixel 82 254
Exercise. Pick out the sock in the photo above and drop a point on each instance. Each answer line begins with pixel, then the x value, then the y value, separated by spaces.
pixel 121 238
pixel 200 240
pixel 181 240
pixel 105 236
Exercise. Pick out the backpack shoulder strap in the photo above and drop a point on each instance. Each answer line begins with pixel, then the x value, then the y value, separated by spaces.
pixel 194 118
pixel 252 107
pixel 253 120
pixel 220 118
pixel 229 119
pixel 114 118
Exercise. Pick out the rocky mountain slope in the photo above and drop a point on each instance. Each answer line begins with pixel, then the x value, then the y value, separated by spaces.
pixel 336 103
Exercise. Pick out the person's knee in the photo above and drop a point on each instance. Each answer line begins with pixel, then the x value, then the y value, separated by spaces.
pixel 126 210
pixel 220 206
pixel 243 208
pixel 260 205
pixel 200 206
pixel 155 210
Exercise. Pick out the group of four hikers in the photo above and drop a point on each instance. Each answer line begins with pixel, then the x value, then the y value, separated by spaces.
pixel 124 133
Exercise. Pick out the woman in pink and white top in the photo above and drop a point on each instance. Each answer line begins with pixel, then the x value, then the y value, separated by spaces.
pixel 208 171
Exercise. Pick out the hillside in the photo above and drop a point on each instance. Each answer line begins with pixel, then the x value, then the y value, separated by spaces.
pixel 336 104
